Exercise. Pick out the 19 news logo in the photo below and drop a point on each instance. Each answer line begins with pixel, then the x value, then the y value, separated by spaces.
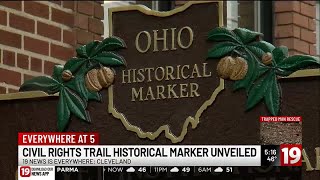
pixel 291 154
pixel 25 171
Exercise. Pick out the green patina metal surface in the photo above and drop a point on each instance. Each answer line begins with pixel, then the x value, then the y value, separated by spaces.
pixel 261 82
pixel 73 94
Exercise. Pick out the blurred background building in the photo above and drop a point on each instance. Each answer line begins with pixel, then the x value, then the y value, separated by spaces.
pixel 34 36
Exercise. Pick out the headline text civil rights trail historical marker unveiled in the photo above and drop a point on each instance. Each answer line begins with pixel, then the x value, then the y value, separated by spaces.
pixel 167 71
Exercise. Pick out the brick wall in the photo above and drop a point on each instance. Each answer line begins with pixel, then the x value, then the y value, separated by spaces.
pixel 295 26
pixel 34 36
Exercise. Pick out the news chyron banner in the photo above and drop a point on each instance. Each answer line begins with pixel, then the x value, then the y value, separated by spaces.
pixel 41 155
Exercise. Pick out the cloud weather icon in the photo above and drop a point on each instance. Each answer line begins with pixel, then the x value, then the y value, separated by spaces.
pixel 131 169
pixel 218 170
pixel 175 169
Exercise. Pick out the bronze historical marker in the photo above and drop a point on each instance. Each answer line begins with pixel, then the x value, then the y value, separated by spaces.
pixel 169 77
pixel 167 82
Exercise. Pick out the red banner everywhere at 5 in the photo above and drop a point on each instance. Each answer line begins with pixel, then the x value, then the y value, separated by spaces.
pixel 57 138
